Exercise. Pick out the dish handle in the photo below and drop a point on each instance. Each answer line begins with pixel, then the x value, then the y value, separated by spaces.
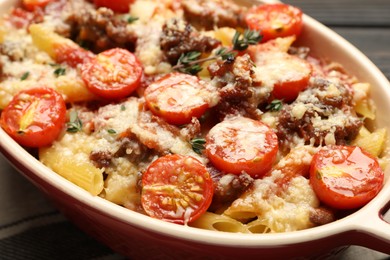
pixel 372 228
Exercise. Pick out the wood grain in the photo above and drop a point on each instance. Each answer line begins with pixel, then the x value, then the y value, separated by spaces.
pixel 366 24
pixel 355 13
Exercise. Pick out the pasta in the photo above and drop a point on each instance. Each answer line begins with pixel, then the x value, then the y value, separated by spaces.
pixel 190 112
pixel 70 159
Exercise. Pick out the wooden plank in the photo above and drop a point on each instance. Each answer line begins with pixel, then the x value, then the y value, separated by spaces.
pixel 366 13
pixel 373 42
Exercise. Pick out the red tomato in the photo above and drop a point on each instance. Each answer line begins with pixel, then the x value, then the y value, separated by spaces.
pixel 345 177
pixel 178 97
pixel 275 20
pixel 120 6
pixel 242 144
pixel 72 55
pixel 112 74
pixel 33 4
pixel 177 189
pixel 34 117
pixel 289 74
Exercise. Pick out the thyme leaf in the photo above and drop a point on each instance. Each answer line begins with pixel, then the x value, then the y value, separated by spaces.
pixel 74 125
pixel 59 72
pixel 25 76
pixel 242 41
pixel 131 19
pixel 111 131
pixel 198 145
pixel 275 105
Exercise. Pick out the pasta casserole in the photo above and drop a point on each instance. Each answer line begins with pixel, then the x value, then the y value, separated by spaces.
pixel 204 113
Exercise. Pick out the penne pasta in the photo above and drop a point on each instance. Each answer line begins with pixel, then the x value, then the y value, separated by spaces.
pixel 216 222
pixel 70 159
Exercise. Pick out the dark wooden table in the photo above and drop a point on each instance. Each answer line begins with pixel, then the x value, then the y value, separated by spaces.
pixel 366 24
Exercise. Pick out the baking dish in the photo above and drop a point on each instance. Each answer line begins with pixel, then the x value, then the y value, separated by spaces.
pixel 137 236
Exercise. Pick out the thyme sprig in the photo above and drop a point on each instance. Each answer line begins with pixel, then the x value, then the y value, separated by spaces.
pixel 190 62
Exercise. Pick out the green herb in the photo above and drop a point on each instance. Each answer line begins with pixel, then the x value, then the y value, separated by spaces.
pixel 25 76
pixel 111 131
pixel 226 54
pixel 59 71
pixel 123 107
pixel 242 41
pixel 74 125
pixel 189 62
pixel 275 105
pixel 198 145
pixel 131 19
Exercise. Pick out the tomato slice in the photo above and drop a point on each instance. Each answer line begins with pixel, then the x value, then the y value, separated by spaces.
pixel 120 6
pixel 345 177
pixel 112 74
pixel 288 74
pixel 30 5
pixel 178 97
pixel 177 189
pixel 242 144
pixel 34 117
pixel 275 20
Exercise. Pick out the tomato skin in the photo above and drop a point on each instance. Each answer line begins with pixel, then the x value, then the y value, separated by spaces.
pixel 345 177
pixel 112 74
pixel 72 55
pixel 176 189
pixel 289 86
pixel 275 20
pixel 242 144
pixel 35 117
pixel 177 97
pixel 120 6
pixel 31 5
pixel 293 73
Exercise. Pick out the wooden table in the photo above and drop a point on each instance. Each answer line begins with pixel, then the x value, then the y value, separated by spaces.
pixel 366 24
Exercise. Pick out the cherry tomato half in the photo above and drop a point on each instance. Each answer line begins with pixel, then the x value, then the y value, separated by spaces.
pixel 120 6
pixel 242 144
pixel 178 97
pixel 177 189
pixel 34 117
pixel 275 20
pixel 112 74
pixel 345 177
pixel 30 5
